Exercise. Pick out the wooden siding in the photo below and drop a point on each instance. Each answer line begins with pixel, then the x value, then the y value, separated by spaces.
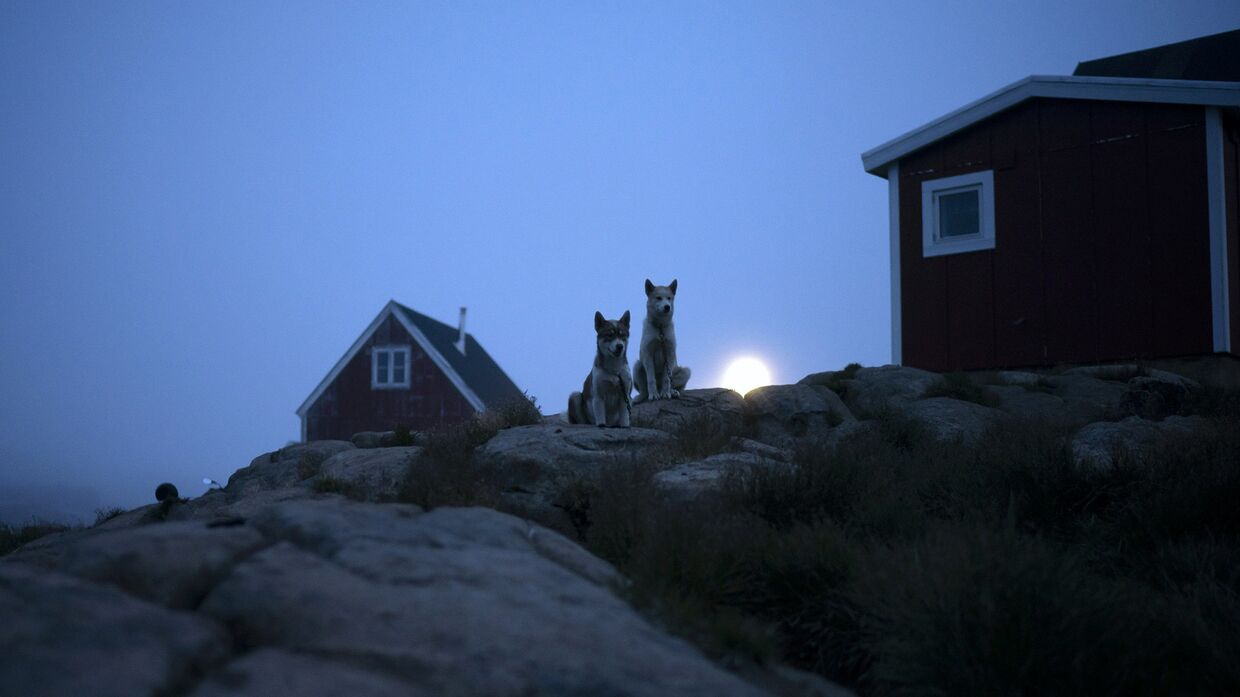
pixel 1231 161
pixel 1102 244
pixel 349 405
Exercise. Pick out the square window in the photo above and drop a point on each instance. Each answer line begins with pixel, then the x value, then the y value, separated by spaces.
pixel 958 214
pixel 398 366
pixel 381 372
pixel 389 367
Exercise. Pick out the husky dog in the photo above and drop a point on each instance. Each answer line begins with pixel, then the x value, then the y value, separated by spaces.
pixel 656 373
pixel 604 398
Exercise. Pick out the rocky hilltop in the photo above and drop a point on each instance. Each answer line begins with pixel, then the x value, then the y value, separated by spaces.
pixel 315 572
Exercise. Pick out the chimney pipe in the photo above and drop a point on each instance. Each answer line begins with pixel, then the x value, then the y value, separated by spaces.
pixel 460 334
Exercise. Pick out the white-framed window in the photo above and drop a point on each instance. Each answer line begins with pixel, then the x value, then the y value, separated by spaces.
pixel 958 214
pixel 389 367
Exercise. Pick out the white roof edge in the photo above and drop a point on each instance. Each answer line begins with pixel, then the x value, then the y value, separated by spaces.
pixel 439 360
pixel 1122 89
pixel 418 336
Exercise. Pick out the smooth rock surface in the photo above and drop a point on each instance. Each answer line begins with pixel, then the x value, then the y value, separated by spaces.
pixel 171 564
pixel 888 387
pixel 64 637
pixel 460 604
pixel 722 407
pixel 689 480
pixel 952 419
pixel 1019 402
pixel 285 467
pixel 375 474
pixel 1087 398
pixel 1018 377
pixel 785 414
pixel 532 464
pixel 275 673
pixel 1100 446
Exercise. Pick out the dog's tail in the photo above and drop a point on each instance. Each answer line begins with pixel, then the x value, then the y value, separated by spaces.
pixel 574 409
pixel 680 377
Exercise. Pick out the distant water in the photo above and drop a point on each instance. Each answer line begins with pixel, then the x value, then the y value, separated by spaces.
pixel 51 503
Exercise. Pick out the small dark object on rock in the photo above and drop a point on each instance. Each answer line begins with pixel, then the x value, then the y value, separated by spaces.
pixel 166 491
pixel 226 522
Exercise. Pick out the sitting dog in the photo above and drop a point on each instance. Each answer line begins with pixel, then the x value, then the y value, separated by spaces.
pixel 604 398
pixel 656 373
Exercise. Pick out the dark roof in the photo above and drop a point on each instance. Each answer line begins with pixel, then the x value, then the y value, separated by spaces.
pixel 476 367
pixel 1215 57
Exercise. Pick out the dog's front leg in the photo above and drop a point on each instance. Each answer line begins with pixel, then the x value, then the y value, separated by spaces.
pixel 652 378
pixel 599 405
pixel 626 404
pixel 669 352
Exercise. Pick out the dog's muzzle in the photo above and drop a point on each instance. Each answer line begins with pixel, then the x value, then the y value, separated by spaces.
pixel 617 348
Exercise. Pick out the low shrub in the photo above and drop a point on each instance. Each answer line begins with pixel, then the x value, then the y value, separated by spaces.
pixel 332 485
pixel 896 564
pixel 14 536
pixel 702 434
pixel 447 475
pixel 102 515
pixel 402 435
pixel 310 464
pixel 961 386
pixel 835 382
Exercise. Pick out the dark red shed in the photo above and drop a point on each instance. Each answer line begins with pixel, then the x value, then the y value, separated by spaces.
pixel 1070 219
pixel 406 369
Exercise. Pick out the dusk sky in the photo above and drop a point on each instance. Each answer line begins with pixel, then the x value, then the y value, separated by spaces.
pixel 202 205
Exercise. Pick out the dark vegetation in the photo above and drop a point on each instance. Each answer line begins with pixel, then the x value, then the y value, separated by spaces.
pixel 836 380
pixel 14 536
pixel 103 515
pixel 961 386
pixel 447 474
pixel 332 485
pixel 901 566
pixel 701 435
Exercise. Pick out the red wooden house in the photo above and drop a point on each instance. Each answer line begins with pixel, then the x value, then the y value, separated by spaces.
pixel 1072 219
pixel 406 369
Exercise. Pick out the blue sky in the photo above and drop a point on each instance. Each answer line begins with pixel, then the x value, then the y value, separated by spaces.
pixel 203 204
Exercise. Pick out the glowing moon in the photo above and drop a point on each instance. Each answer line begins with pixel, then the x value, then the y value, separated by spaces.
pixel 746 373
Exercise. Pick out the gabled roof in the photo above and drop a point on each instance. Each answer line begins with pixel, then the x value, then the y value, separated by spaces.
pixel 475 366
pixel 1119 89
pixel 1215 57
pixel 475 374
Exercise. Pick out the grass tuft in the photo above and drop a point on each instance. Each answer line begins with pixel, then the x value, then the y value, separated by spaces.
pixel 333 485
pixel 14 536
pixel 103 515
pixel 961 386
pixel 897 565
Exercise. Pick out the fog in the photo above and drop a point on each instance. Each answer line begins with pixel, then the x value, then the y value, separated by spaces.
pixel 203 205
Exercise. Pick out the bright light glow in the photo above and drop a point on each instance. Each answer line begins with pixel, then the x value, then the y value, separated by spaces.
pixel 746 373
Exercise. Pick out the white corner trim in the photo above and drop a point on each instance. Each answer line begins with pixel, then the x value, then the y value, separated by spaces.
pixel 454 377
pixel 303 428
pixel 1217 206
pixel 348 356
pixel 932 245
pixel 1119 89
pixel 418 336
pixel 893 216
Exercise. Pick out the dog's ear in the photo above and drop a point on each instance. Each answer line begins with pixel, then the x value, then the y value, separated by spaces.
pixel 673 286
pixel 649 287
pixel 624 319
pixel 598 320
